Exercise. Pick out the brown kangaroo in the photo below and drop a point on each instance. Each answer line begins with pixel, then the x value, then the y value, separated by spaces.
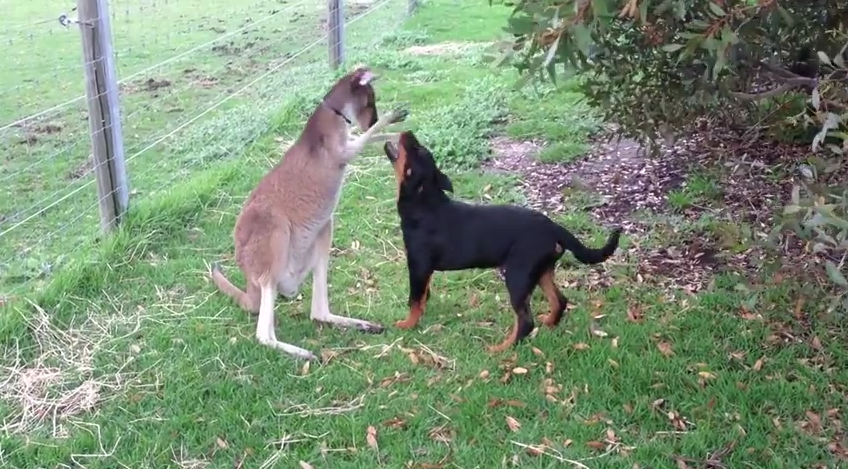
pixel 285 229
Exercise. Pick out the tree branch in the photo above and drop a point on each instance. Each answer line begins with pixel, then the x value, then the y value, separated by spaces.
pixel 788 84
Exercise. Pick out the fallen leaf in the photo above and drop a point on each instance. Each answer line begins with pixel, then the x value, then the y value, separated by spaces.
pixel 371 437
pixel 799 305
pixel 305 465
pixel 513 424
pixel 567 443
pixel 221 443
pixel 395 422
pixel 441 434
pixel 519 370
pixel 758 365
pixel 549 367
pixel 535 450
pixel 681 464
pixel 706 375
pixel 599 445
pixel 427 465
pixel 815 422
pixel 634 313
pixel 580 346
pixel 665 349
pixel 484 374
pixel 327 355
pixel 615 342
pixel 304 370
pixel 538 352
pixel 596 331
pixel 474 301
pixel 816 343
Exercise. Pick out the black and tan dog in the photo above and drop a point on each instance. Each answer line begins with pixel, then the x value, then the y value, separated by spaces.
pixel 441 234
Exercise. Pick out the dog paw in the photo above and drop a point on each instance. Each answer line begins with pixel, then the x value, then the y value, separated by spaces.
pixel 399 115
pixel 405 324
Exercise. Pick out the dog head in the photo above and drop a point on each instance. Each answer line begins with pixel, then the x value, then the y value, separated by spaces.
pixel 353 98
pixel 415 168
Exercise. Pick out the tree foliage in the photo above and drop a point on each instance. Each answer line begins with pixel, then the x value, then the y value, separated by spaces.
pixel 656 66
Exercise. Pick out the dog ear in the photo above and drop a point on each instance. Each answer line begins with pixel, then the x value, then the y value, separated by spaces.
pixel 444 182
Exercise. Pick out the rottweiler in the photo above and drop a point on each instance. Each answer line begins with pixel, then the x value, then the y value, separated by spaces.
pixel 441 234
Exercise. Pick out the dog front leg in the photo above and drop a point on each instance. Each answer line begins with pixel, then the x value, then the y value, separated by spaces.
pixel 419 293
pixel 320 295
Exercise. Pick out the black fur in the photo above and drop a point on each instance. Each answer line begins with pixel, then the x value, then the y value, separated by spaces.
pixel 441 234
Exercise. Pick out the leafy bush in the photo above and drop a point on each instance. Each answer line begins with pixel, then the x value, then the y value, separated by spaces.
pixel 655 66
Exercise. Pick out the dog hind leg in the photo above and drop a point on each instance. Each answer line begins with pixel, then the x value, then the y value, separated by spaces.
pixel 265 333
pixel 320 310
pixel 556 299
pixel 520 282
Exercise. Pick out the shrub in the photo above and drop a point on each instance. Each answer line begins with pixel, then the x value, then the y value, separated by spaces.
pixel 656 66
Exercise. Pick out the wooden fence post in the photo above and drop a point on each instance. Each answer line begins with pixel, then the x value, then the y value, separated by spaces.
pixel 335 23
pixel 104 117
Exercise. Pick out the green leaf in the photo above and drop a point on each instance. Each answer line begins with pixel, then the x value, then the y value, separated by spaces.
pixel 672 47
pixel 717 9
pixel 787 18
pixel 835 275
pixel 600 8
pixel 520 25
pixel 823 57
pixel 582 37
pixel 790 209
pixel 643 10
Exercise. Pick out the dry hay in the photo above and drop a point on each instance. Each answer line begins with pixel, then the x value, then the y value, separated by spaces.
pixel 447 48
pixel 54 380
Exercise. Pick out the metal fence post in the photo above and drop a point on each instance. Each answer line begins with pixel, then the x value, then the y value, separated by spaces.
pixel 335 23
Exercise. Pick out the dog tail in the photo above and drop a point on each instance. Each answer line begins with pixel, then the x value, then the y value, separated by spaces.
pixel 585 254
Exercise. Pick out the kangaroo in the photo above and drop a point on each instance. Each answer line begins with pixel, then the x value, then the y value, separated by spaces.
pixel 285 229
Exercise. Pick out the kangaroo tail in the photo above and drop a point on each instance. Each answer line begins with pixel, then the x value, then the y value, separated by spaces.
pixel 585 254
pixel 223 284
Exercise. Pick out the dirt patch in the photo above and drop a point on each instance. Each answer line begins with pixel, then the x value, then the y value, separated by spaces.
pixel 617 172
pixel 33 133
pixel 629 184
pixel 444 48
pixel 82 170
pixel 151 84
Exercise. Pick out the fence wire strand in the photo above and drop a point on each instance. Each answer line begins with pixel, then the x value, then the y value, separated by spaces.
pixel 143 145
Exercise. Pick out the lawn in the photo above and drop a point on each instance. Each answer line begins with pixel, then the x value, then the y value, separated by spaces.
pixel 131 358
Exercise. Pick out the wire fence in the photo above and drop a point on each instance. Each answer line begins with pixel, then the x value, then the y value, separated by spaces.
pixel 197 80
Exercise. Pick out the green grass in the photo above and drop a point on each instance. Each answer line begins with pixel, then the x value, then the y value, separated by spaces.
pixel 174 117
pixel 181 382
pixel 556 116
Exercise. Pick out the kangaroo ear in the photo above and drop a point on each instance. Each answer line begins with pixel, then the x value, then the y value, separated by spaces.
pixel 444 182
pixel 364 77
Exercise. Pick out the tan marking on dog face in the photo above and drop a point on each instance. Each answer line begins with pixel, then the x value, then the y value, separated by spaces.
pixel 402 171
